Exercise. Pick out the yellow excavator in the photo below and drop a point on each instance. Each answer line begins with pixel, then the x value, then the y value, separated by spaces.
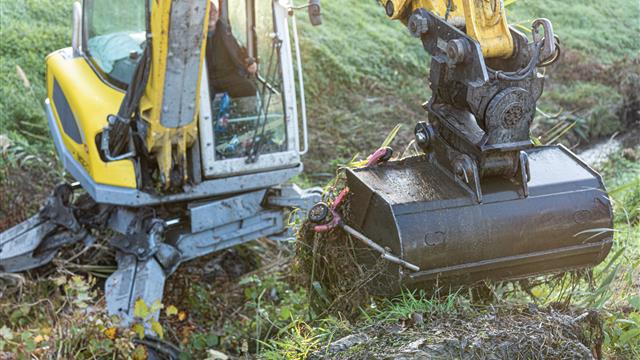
pixel 176 169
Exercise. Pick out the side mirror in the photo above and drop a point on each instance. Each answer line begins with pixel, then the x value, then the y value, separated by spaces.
pixel 315 14
pixel 76 35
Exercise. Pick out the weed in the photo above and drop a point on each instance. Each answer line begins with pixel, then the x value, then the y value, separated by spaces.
pixel 57 319
pixel 408 303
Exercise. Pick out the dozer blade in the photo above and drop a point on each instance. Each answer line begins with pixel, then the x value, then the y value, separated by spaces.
pixel 419 212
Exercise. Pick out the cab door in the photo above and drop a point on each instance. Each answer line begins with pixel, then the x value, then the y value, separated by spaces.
pixel 259 132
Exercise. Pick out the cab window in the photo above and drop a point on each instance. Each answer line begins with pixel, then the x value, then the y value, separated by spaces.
pixel 250 123
pixel 115 37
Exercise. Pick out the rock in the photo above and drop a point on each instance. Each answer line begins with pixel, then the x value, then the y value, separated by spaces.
pixel 348 342
pixel 417 319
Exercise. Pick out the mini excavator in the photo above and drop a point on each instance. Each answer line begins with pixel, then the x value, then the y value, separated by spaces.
pixel 175 172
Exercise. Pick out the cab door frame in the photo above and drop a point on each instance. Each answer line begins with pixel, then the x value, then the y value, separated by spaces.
pixel 215 168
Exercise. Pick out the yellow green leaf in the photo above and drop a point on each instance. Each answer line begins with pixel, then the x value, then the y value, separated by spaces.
pixel 156 306
pixel 138 329
pixel 140 309
pixel 537 292
pixel 157 328
pixel 171 310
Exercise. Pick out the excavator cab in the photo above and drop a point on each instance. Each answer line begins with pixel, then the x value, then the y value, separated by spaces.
pixel 114 44
pixel 256 131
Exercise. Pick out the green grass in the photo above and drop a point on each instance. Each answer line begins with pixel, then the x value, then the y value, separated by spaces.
pixel 29 29
pixel 610 289
pixel 364 74
pixel 607 30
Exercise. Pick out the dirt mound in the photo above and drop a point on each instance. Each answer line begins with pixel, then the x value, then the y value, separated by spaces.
pixel 520 333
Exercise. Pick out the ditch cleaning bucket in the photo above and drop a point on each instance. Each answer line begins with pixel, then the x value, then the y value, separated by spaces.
pixel 417 210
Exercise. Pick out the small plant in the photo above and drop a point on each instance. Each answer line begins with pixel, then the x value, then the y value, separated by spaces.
pixel 409 303
pixel 79 330
pixel 146 320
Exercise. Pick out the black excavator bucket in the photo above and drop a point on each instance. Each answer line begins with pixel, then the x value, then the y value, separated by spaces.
pixel 424 215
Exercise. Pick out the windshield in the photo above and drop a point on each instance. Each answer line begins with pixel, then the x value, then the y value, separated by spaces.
pixel 115 33
pixel 247 104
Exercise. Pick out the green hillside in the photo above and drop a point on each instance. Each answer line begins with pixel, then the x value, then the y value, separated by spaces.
pixel 606 31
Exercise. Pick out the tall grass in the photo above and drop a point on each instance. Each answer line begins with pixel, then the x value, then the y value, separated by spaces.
pixel 606 30
pixel 29 30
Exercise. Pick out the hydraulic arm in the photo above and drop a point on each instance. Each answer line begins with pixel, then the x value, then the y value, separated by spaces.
pixel 163 97
pixel 485 21
pixel 484 83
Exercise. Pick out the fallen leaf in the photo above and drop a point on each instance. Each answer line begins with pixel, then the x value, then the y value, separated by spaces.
pixel 141 310
pixel 157 328
pixel 182 315
pixel 171 310
pixel 156 306
pixel 140 353
pixel 138 329
pixel 111 333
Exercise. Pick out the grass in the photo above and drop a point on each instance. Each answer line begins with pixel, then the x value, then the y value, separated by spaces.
pixel 604 30
pixel 364 74
pixel 610 289
pixel 29 29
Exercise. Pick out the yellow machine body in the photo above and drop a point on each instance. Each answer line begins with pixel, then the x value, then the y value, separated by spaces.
pixel 485 20
pixel 91 101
